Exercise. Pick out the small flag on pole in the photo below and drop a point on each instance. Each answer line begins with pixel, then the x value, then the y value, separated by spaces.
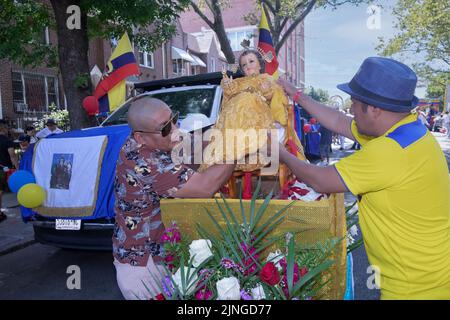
pixel 265 44
pixel 111 90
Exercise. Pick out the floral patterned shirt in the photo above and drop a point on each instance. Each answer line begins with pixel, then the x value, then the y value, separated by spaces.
pixel 143 177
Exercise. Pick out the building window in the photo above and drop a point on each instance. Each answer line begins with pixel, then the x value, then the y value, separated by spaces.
pixel 177 65
pixel 46 36
pixel 34 91
pixel 213 64
pixel 193 70
pixel 17 86
pixel 236 38
pixel 146 59
pixel 42 37
pixel 52 88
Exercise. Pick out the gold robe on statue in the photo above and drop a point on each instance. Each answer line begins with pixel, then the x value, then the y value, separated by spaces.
pixel 252 102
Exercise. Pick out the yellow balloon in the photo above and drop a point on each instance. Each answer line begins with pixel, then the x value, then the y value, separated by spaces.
pixel 31 195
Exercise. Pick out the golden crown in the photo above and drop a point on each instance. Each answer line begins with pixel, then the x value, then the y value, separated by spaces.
pixel 267 56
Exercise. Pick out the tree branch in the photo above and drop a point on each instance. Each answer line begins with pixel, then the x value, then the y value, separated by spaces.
pixel 269 19
pixel 294 25
pixel 202 15
pixel 268 5
pixel 283 23
pixel 209 5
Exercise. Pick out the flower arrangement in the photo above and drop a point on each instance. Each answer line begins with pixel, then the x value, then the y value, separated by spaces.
pixel 351 212
pixel 234 263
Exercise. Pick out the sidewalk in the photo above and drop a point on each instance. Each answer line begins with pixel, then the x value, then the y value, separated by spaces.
pixel 14 233
pixel 444 142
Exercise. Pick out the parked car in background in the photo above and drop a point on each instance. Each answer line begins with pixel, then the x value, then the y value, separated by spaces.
pixel 195 97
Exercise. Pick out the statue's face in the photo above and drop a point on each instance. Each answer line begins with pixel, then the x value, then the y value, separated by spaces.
pixel 250 64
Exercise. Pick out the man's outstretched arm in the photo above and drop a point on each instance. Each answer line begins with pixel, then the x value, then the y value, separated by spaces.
pixel 330 118
pixel 321 179
pixel 207 183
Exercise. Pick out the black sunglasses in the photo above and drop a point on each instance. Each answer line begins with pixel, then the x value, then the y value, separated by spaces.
pixel 166 128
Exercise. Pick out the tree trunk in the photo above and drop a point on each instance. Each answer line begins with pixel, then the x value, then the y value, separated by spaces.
pixel 219 29
pixel 73 48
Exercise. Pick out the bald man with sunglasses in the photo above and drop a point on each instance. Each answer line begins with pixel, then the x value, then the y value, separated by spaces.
pixel 145 174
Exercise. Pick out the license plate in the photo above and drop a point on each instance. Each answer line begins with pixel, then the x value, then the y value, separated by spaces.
pixel 67 224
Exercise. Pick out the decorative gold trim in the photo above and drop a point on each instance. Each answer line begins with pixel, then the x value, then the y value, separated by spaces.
pixel 75 211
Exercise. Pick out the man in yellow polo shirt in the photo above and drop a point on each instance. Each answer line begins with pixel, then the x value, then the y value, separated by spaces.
pixel 400 177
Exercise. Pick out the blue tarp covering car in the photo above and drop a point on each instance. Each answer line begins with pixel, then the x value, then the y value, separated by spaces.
pixel 104 207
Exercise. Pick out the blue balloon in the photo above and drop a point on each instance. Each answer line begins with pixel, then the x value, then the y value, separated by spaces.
pixel 20 178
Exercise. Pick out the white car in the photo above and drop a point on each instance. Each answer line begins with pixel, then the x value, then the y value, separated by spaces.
pixel 197 98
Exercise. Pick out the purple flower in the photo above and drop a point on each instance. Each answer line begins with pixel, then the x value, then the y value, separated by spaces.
pixel 203 294
pixel 245 295
pixel 168 286
pixel 227 263
pixel 171 234
pixel 247 250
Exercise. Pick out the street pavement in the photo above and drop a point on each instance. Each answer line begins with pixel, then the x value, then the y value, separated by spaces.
pixel 29 270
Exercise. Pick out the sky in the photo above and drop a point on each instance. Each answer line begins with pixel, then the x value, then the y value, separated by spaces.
pixel 337 42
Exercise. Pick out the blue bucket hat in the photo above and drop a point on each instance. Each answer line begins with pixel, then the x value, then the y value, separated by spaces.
pixel 384 83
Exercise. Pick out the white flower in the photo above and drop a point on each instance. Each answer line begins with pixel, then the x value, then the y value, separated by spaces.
pixel 351 234
pixel 200 251
pixel 353 209
pixel 350 240
pixel 228 289
pixel 275 257
pixel 258 292
pixel 353 230
pixel 189 273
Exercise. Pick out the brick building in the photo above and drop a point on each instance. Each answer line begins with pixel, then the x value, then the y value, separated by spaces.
pixel 26 93
pixel 291 57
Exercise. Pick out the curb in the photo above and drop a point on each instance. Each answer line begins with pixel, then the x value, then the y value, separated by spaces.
pixel 17 247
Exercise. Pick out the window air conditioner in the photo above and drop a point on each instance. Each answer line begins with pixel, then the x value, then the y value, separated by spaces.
pixel 21 107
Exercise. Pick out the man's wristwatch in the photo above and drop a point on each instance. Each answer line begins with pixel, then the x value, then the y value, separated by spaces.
pixel 297 95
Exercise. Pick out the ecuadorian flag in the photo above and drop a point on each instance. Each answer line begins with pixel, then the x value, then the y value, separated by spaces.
pixel 266 45
pixel 111 91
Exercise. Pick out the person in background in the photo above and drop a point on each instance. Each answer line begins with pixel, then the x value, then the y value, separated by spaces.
pixel 438 123
pixel 51 128
pixel 446 123
pixel 423 118
pixel 145 174
pixel 31 132
pixel 326 137
pixel 400 177
pixel 8 159
pixel 24 143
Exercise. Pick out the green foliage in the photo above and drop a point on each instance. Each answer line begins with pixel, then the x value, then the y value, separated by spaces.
pixel 22 32
pixel 22 25
pixel 108 19
pixel 351 212
pixel 82 80
pixel 241 239
pixel 423 30
pixel 422 26
pixel 436 81
pixel 318 94
pixel 61 116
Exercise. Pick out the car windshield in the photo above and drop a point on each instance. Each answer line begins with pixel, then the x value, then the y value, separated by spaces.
pixel 185 101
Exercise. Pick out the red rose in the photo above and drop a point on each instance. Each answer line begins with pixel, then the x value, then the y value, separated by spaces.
pixel 160 297
pixel 303 271
pixel 169 259
pixel 269 274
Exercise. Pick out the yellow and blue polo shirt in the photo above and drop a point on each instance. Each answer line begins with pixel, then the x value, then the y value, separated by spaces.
pixel 402 182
